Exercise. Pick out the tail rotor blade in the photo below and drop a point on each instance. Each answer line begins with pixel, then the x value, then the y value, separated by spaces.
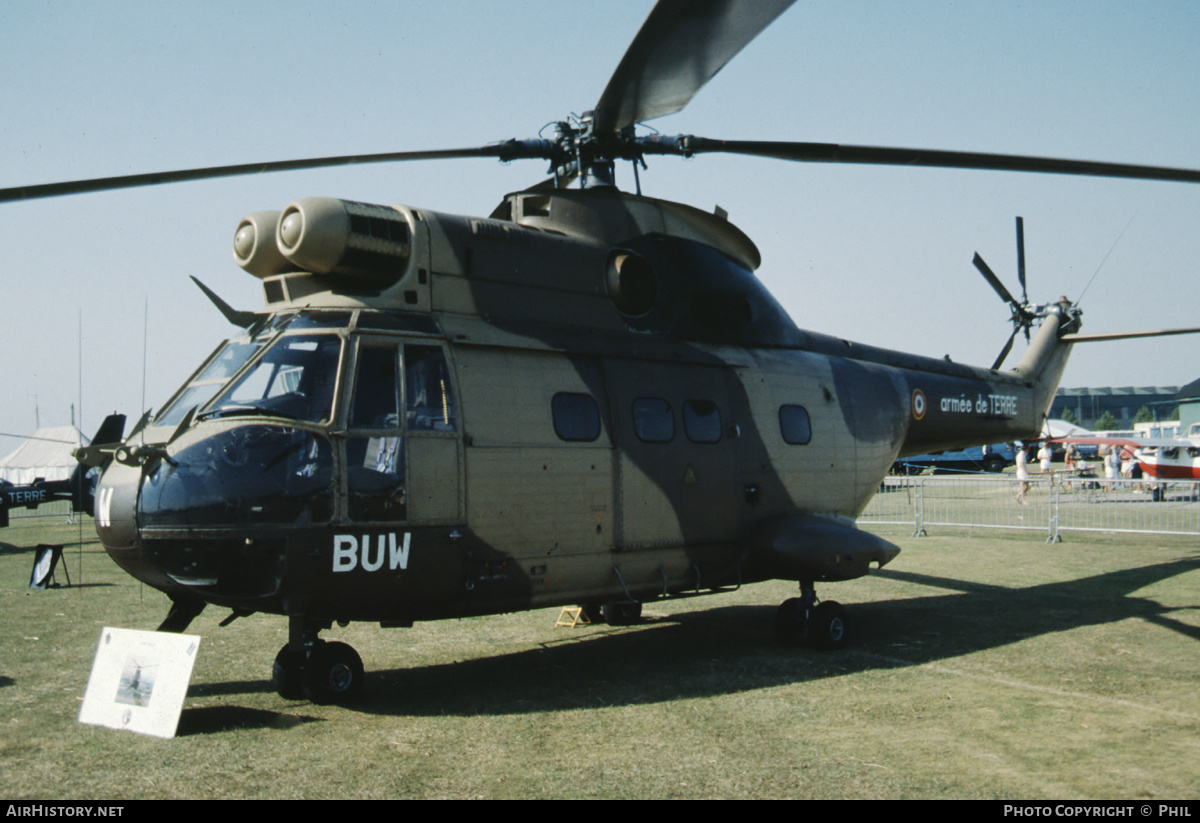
pixel 1007 348
pixel 992 279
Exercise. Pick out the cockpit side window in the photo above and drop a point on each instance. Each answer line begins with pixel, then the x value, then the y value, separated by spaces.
pixel 429 401
pixel 376 389
pixel 375 477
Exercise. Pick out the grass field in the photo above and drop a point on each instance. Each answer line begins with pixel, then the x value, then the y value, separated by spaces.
pixel 981 666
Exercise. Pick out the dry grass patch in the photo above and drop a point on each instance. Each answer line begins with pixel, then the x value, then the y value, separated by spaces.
pixel 982 665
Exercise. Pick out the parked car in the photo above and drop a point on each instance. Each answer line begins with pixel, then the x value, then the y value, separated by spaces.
pixel 992 458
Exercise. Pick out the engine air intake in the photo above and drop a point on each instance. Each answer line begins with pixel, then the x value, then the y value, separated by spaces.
pixel 366 242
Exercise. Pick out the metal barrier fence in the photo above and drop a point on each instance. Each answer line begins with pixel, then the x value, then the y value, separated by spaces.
pixel 988 501
pixel 52 508
pixel 1066 503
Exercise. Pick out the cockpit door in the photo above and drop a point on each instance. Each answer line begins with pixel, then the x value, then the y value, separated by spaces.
pixel 403 451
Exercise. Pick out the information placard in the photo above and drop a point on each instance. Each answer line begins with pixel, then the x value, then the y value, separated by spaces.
pixel 139 680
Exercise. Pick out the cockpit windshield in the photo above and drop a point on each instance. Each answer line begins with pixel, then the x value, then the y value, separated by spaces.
pixel 294 378
pixel 232 355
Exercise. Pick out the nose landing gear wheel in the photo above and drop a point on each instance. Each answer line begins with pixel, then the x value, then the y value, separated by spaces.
pixel 333 673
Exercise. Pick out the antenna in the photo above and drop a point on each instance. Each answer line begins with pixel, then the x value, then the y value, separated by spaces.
pixel 78 493
pixel 1105 260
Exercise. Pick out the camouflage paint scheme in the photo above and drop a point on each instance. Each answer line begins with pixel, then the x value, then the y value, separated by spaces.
pixel 501 513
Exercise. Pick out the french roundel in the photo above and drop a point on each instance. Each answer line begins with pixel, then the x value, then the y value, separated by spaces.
pixel 918 404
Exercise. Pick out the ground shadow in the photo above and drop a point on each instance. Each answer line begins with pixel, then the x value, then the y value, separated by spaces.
pixel 730 649
pixel 211 719
pixel 69 547
pixel 65 587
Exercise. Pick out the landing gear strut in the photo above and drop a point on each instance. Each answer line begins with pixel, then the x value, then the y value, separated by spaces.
pixel 802 620
pixel 310 667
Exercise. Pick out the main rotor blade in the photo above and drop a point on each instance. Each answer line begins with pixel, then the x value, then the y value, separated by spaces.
pixel 158 178
pixel 991 277
pixel 885 156
pixel 680 47
pixel 1021 259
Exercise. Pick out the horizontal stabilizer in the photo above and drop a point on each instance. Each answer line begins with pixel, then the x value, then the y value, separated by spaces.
pixel 1123 335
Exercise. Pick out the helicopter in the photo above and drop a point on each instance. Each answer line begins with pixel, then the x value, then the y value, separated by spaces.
pixel 584 398
pixel 78 488
pixel 32 495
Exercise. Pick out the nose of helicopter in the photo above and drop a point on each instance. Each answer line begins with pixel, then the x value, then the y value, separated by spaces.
pixel 214 514
pixel 116 523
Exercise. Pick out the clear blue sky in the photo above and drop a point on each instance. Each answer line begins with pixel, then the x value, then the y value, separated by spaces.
pixel 878 255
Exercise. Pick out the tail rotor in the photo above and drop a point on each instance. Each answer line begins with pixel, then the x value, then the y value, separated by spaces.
pixel 1023 314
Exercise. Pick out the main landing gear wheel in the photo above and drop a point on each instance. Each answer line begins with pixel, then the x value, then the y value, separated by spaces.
pixel 827 626
pixel 333 673
pixel 800 621
pixel 622 613
pixel 330 673
pixel 287 675
pixel 791 622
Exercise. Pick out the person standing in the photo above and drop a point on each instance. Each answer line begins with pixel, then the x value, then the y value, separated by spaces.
pixel 1022 471
pixel 1046 458
pixel 1069 463
pixel 1112 462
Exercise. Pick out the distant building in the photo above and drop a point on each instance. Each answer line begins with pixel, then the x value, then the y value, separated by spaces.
pixel 1189 405
pixel 1088 405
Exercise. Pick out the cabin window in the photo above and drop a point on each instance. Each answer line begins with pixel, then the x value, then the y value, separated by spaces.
pixel 653 420
pixel 576 416
pixel 429 402
pixel 794 425
pixel 702 421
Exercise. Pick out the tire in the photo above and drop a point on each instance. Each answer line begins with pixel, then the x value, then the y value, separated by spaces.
pixel 828 627
pixel 791 626
pixel 623 613
pixel 333 673
pixel 287 675
pixel 993 464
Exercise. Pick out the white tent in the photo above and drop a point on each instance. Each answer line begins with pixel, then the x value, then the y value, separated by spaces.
pixel 1061 428
pixel 46 454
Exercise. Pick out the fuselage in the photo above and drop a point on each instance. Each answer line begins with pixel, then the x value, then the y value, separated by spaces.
pixel 582 398
pixel 1180 461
